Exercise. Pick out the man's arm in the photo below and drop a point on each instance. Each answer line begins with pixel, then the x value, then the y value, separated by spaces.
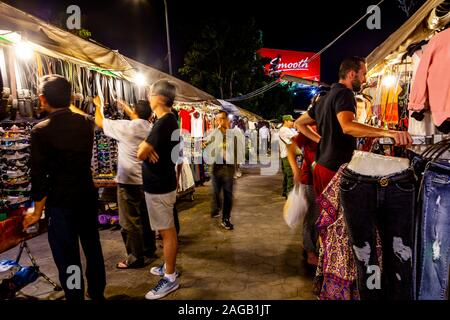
pixel 292 160
pixel 303 125
pixel 147 152
pixel 98 112
pixel 34 217
pixel 127 109
pixel 351 127
pixel 39 177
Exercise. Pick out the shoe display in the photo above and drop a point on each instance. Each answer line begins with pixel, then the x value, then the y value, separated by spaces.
pixel 162 289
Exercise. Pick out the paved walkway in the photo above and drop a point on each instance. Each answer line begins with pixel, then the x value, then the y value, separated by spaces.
pixel 260 259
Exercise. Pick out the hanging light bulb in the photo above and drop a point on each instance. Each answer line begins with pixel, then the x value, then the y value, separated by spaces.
pixel 140 79
pixel 23 50
pixel 388 81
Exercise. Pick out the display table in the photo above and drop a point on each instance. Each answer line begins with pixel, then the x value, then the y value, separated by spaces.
pixel 11 230
pixel 105 183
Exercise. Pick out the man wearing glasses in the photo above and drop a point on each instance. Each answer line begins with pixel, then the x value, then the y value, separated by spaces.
pixel 160 183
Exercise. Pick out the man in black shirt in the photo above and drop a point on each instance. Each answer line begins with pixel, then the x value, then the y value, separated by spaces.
pixel 61 153
pixel 337 126
pixel 160 182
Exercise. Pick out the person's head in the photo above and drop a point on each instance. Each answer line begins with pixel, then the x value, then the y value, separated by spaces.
pixel 55 92
pixel 352 72
pixel 162 93
pixel 288 121
pixel 143 110
pixel 222 120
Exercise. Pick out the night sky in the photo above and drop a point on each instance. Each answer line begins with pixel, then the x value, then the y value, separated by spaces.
pixel 137 27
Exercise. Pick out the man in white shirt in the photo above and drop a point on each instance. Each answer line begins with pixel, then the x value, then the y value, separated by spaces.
pixel 264 134
pixel 287 132
pixel 137 235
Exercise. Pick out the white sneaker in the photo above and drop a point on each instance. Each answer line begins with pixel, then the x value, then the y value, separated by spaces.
pixel 162 289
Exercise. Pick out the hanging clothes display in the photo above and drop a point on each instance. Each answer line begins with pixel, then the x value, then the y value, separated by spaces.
pixel 431 84
pixel 336 276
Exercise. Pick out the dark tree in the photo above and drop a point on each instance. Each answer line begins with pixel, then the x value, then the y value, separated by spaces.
pixel 223 61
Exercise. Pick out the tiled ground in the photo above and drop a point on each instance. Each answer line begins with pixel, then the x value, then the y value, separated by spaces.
pixel 260 259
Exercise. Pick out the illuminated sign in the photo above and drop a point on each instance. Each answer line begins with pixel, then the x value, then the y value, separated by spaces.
pixel 293 63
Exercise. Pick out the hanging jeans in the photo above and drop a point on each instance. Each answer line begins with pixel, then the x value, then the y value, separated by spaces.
pixel 434 245
pixel 387 204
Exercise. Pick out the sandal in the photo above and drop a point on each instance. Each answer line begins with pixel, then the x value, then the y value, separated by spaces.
pixel 124 265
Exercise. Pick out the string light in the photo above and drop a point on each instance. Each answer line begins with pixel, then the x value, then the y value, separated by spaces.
pixel 140 80
pixel 388 81
pixel 23 50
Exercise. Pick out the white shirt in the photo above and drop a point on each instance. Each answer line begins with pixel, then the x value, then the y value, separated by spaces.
pixel 286 135
pixel 264 133
pixel 197 125
pixel 129 134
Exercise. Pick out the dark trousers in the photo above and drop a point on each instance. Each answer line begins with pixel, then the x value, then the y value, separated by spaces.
pixel 67 229
pixel 137 235
pixel 223 178
pixel 386 204
pixel 288 177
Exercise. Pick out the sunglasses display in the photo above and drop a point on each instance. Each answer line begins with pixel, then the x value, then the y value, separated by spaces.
pixel 104 159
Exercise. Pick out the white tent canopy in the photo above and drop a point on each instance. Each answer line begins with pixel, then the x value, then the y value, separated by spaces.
pixel 50 40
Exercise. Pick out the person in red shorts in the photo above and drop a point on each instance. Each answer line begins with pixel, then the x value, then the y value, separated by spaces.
pixel 304 175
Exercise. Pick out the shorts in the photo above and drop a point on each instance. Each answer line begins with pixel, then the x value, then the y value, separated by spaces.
pixel 160 210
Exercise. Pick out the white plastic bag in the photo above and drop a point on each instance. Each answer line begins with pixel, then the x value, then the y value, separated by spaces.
pixel 296 206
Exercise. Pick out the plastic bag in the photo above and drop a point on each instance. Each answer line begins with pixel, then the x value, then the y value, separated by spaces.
pixel 296 206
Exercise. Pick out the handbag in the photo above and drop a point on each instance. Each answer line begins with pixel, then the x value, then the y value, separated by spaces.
pixel 296 206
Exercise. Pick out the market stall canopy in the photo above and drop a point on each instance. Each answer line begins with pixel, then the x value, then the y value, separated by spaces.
pixel 235 110
pixel 413 30
pixel 53 41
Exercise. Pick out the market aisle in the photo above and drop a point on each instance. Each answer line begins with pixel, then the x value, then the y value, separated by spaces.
pixel 260 259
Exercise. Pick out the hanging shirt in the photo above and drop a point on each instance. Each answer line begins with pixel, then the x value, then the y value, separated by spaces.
pixel 432 80
pixel 185 117
pixel 197 124
pixel 129 134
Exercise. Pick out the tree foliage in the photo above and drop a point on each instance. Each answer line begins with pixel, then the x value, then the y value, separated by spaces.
pixel 223 61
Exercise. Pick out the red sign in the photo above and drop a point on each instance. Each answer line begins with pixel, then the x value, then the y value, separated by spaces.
pixel 293 63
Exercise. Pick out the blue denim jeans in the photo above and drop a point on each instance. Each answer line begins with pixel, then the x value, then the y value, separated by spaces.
pixel 385 204
pixel 434 246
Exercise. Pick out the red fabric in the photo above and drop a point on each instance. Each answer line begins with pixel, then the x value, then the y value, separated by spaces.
pixel 322 177
pixel 185 120
pixel 11 230
pixel 309 154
